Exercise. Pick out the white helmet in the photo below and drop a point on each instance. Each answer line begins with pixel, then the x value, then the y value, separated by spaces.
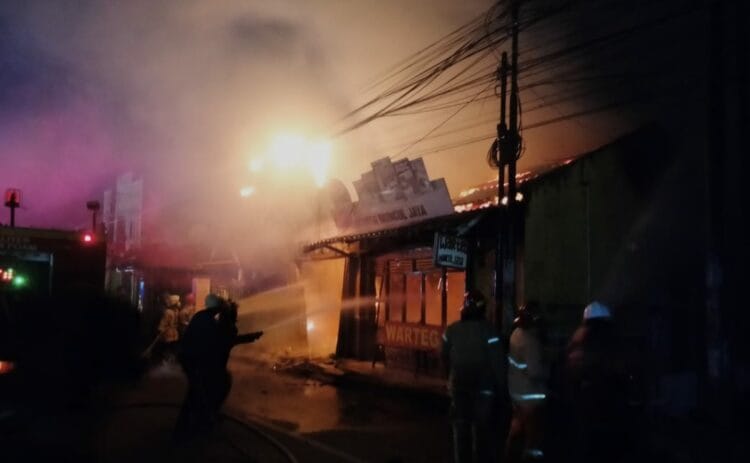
pixel 596 310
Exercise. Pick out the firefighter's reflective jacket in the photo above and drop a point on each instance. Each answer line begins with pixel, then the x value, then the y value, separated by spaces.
pixel 168 325
pixel 474 355
pixel 527 372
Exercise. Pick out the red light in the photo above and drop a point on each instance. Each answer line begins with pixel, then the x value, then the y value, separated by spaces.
pixel 87 238
pixel 6 367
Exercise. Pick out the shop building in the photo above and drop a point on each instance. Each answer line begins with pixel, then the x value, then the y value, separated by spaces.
pixel 610 225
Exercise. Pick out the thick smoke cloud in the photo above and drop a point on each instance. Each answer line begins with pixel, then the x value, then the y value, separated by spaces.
pixel 183 93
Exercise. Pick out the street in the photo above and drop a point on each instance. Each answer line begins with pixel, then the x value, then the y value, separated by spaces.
pixel 314 419
pixel 366 422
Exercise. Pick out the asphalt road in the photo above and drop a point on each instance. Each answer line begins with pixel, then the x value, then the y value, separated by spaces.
pixel 313 418
pixel 353 422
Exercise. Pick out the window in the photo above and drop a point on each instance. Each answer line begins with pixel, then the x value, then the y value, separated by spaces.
pixel 414 297
pixel 396 297
pixel 433 303
pixel 456 288
pixel 410 288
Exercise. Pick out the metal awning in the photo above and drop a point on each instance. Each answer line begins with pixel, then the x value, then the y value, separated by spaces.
pixel 459 222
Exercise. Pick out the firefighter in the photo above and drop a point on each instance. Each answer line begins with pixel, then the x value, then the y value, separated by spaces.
pixel 206 345
pixel 595 387
pixel 473 355
pixel 169 334
pixel 527 385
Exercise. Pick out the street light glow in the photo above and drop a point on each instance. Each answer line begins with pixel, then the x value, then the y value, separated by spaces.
pixel 290 152
pixel 286 149
pixel 247 191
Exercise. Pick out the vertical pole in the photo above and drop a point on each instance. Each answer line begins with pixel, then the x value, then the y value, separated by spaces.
pixel 347 337
pixel 511 155
pixel 403 296
pixel 366 308
pixel 444 296
pixel 502 135
pixel 423 298
pixel 12 215
pixel 387 297
pixel 513 118
pixel 508 144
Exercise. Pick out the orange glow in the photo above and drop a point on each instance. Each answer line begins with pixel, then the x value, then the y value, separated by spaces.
pixel 319 160
pixel 6 367
pixel 290 152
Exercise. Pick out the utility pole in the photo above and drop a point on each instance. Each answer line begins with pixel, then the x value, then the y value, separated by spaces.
pixel 12 201
pixel 506 150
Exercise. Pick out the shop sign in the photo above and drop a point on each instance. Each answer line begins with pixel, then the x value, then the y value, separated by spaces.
pixel 450 251
pixel 412 336
pixel 16 243
pixel 392 194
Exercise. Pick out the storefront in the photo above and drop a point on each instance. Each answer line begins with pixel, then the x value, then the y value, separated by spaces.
pixel 408 257
pixel 397 299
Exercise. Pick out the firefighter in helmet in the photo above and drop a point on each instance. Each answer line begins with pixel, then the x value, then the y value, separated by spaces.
pixel 596 386
pixel 528 375
pixel 474 357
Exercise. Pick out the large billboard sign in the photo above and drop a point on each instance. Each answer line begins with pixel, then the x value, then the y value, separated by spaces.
pixel 393 194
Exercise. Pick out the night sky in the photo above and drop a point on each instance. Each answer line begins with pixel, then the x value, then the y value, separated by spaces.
pixel 186 92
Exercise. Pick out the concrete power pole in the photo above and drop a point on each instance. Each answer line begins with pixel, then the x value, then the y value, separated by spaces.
pixel 506 150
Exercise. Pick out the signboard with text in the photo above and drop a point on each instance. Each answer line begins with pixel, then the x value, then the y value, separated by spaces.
pixel 412 336
pixel 450 251
pixel 391 195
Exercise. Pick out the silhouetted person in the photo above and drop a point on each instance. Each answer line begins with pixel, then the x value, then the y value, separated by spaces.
pixel 595 387
pixel 528 375
pixel 205 349
pixel 473 354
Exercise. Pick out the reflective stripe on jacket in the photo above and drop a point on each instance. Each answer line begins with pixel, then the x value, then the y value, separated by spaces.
pixel 168 326
pixel 474 355
pixel 527 373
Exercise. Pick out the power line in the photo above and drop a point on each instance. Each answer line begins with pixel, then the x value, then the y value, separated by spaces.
pixel 441 124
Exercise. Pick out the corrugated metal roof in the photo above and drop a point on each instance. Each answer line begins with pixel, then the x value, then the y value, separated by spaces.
pixel 470 203
pixel 434 223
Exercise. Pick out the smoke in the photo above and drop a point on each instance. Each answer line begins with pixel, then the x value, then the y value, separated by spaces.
pixel 184 93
